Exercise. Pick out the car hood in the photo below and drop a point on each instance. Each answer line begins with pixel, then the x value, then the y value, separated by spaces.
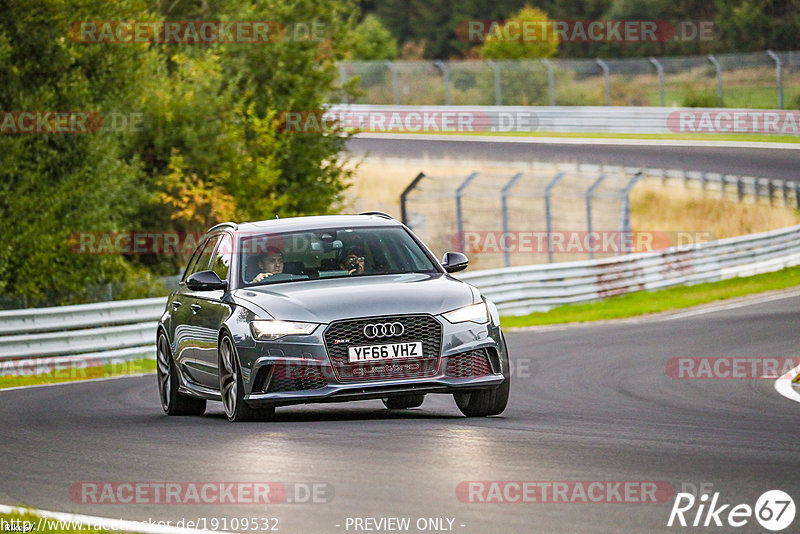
pixel 323 301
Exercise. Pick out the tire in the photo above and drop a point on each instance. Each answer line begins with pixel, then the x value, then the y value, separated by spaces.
pixel 403 402
pixel 231 387
pixel 483 402
pixel 172 401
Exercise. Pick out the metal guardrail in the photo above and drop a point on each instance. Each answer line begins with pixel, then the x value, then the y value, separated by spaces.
pixel 522 290
pixel 559 119
pixel 102 332
pixel 125 330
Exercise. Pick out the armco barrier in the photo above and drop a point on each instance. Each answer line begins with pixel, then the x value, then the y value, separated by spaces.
pixel 522 290
pixel 566 119
pixel 122 330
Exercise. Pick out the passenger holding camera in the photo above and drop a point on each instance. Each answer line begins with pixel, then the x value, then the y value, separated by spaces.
pixel 353 261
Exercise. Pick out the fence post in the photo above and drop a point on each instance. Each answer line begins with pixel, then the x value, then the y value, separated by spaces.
pixel 551 80
pixel 739 188
pixel 703 181
pixel 778 75
pixel 589 193
pixel 606 79
pixel 797 195
pixel 395 81
pixel 504 199
pixel 625 219
pixel 718 68
pixel 547 215
pixel 498 83
pixel 442 66
pixel 404 195
pixel 459 215
pixel 660 70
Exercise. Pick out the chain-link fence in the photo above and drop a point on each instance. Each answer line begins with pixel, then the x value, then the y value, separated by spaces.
pixel 543 214
pixel 765 80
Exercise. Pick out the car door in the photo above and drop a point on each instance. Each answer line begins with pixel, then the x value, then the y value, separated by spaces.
pixel 210 312
pixel 192 334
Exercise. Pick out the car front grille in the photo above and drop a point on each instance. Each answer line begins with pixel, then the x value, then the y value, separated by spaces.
pixel 295 378
pixel 343 334
pixel 468 364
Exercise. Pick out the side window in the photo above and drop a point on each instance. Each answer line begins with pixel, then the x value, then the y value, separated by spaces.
pixel 204 260
pixel 192 262
pixel 222 259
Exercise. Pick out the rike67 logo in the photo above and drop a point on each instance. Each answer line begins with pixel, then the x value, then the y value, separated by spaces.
pixel 774 510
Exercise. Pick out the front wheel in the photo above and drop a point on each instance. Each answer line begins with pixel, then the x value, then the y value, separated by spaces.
pixel 172 401
pixel 483 402
pixel 404 401
pixel 231 387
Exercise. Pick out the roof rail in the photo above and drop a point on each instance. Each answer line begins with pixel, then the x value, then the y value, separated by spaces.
pixel 378 214
pixel 231 224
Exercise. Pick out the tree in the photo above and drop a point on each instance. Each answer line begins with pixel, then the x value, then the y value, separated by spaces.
pixel 371 40
pixel 508 41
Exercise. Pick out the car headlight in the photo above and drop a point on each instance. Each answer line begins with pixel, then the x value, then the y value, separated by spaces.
pixel 269 330
pixel 477 313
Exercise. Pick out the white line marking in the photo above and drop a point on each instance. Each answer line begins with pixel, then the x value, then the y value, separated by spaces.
pixel 731 306
pixel 103 379
pixel 581 141
pixel 784 386
pixel 104 523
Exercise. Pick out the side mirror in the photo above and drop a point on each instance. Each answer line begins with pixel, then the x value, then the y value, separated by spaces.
pixel 454 262
pixel 205 281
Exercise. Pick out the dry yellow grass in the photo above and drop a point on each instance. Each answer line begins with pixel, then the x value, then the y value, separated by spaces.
pixel 674 208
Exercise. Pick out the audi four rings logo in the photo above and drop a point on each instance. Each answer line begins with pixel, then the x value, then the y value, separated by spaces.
pixel 371 331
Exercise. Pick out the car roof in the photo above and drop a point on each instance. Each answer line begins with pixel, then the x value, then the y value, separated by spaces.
pixel 317 222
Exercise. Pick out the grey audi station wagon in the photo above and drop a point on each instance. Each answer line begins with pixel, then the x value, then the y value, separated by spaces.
pixel 326 309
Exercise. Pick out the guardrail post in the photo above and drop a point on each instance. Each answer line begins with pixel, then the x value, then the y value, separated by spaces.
pixel 551 80
pixel 606 79
pixel 785 187
pixel 504 200
pixel 459 214
pixel 498 83
pixel 703 181
pixel 442 66
pixel 660 71
pixel 625 219
pixel 404 195
pixel 547 215
pixel 395 81
pixel 771 192
pixel 589 193
pixel 739 188
pixel 778 75
pixel 718 68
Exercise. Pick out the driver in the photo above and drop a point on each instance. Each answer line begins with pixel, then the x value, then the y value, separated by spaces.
pixel 269 264
pixel 353 261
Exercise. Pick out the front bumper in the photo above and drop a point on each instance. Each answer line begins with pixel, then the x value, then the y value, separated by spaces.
pixel 326 384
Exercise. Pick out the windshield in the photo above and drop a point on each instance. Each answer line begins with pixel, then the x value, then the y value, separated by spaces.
pixel 271 258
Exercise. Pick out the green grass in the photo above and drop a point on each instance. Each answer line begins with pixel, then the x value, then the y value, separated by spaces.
pixel 644 302
pixel 32 522
pixel 144 365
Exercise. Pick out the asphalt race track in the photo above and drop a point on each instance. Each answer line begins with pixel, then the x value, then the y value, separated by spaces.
pixel 589 403
pixel 762 162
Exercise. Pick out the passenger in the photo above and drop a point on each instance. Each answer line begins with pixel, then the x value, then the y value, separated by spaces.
pixel 353 261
